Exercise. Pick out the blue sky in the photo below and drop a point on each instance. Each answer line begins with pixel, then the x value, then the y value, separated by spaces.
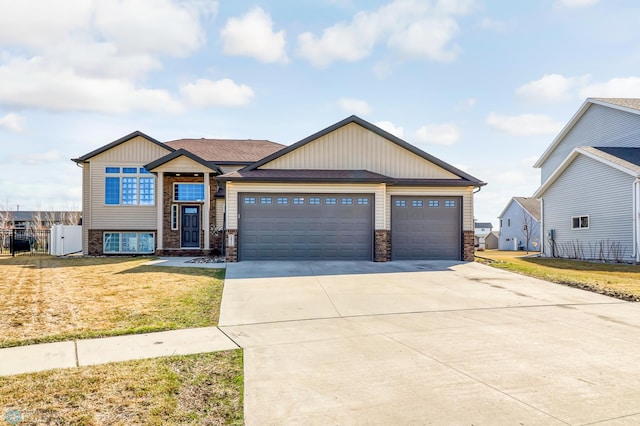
pixel 483 85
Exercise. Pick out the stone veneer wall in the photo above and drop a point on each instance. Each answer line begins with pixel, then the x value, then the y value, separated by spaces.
pixel 231 254
pixel 468 246
pixel 382 245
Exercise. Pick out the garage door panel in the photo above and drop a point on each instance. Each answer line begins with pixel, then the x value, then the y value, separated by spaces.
pixel 426 227
pixel 326 229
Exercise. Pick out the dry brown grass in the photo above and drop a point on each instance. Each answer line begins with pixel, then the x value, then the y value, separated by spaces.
pixel 201 389
pixel 614 279
pixel 49 298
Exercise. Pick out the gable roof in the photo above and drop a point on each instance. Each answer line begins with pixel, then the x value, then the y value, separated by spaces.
pixel 122 140
pixel 631 105
pixel 179 153
pixel 220 151
pixel 626 160
pixel 378 131
pixel 530 204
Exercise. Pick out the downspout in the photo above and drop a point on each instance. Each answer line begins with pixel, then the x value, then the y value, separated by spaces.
pixel 542 240
pixel 636 218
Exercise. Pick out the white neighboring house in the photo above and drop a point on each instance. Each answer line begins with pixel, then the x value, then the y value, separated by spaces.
pixel 519 222
pixel 481 230
pixel 590 184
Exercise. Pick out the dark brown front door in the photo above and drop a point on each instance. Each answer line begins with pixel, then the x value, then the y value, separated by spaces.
pixel 190 226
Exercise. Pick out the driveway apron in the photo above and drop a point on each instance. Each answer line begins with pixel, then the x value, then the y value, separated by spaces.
pixel 428 343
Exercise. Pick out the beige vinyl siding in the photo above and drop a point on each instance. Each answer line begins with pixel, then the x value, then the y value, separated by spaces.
pixel 86 206
pixel 219 213
pixel 182 164
pixel 233 188
pixel 134 153
pixel 465 193
pixel 354 148
pixel 136 150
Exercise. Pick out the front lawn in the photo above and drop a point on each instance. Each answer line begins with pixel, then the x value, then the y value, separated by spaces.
pixel 48 299
pixel 203 389
pixel 613 279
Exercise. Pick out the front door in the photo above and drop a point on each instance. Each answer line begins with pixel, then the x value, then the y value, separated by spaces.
pixel 190 226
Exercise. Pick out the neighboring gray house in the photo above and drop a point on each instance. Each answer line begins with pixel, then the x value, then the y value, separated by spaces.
pixel 481 230
pixel 519 222
pixel 590 189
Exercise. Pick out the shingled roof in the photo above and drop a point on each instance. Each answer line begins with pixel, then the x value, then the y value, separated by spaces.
pixel 227 150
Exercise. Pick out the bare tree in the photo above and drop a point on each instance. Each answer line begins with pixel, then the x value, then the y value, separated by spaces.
pixel 527 228
pixel 6 219
pixel 71 218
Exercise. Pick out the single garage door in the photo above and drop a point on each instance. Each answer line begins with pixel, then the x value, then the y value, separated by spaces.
pixel 426 228
pixel 305 226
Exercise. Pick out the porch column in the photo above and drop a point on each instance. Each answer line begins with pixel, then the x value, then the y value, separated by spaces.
pixel 160 210
pixel 206 211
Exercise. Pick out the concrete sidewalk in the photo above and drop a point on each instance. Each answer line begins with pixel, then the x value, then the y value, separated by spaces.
pixel 79 353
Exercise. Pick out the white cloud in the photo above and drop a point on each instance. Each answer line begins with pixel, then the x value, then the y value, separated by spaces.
pixel 12 122
pixel 36 83
pixel 354 106
pixel 252 35
pixel 388 126
pixel 439 134
pixel 96 54
pixel 628 87
pixel 218 93
pixel 551 88
pixel 575 3
pixel 416 29
pixel 524 124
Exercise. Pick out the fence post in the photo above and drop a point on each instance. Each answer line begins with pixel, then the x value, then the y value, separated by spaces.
pixel 12 240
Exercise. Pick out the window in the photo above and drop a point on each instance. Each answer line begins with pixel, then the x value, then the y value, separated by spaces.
pixel 508 221
pixel 580 222
pixel 434 203
pixel 112 190
pixel 144 171
pixel 346 201
pixel 500 223
pixel 189 192
pixel 401 203
pixel 331 200
pixel 174 217
pixel 249 200
pixel 128 242
pixel 363 201
pixel 282 200
pixel 298 200
pixel 265 200
pixel 314 200
pixel 416 203
pixel 128 189
pixel 147 191
pixel 449 203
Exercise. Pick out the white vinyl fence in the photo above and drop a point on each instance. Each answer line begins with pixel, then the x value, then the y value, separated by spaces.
pixel 65 239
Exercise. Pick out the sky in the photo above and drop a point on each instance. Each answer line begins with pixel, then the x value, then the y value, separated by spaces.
pixel 485 85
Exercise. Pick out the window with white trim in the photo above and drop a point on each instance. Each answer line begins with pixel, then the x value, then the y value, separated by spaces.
pixel 125 186
pixel 580 222
pixel 174 217
pixel 188 192
pixel 128 242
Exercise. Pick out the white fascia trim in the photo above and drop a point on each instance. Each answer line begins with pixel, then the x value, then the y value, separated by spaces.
pixel 507 207
pixel 569 159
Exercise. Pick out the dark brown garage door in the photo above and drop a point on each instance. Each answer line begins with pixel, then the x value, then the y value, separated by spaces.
pixel 426 228
pixel 305 226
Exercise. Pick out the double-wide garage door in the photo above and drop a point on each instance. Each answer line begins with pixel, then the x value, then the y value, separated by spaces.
pixel 426 228
pixel 305 226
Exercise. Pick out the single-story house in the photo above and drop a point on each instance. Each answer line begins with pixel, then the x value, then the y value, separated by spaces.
pixel 350 191
pixel 520 225
pixel 590 184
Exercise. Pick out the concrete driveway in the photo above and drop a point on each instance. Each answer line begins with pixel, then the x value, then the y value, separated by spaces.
pixel 333 343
